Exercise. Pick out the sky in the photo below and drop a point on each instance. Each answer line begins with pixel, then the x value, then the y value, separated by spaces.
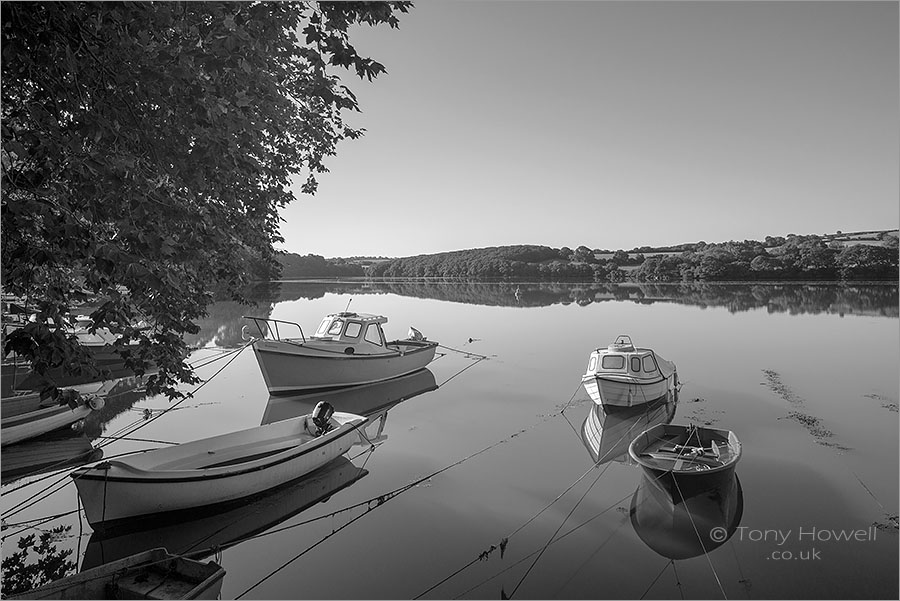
pixel 613 125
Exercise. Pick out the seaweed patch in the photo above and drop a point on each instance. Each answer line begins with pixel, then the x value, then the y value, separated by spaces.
pixel 773 382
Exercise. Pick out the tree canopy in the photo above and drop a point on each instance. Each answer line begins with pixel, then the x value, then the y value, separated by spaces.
pixel 147 149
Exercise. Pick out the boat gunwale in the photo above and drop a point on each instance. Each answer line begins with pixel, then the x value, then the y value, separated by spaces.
pixel 197 474
pixel 624 378
pixel 730 438
pixel 341 355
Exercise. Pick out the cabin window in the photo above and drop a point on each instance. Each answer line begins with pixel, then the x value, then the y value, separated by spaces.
pixel 592 364
pixel 335 329
pixel 373 334
pixel 635 364
pixel 613 362
pixel 649 364
pixel 323 327
pixel 353 329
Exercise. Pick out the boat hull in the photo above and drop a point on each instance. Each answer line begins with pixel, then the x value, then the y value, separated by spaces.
pixel 663 454
pixel 238 465
pixel 289 367
pixel 626 391
pixel 34 423
pixel 153 574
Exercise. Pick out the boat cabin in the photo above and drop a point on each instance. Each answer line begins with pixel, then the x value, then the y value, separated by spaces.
pixel 622 357
pixel 352 328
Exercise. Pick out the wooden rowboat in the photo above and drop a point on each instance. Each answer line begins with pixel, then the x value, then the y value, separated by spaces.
pixel 686 459
pixel 154 574
pixel 212 470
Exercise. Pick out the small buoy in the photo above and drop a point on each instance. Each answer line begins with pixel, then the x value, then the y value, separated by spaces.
pixel 96 403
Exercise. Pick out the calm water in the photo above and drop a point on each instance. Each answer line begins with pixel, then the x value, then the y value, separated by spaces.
pixel 481 484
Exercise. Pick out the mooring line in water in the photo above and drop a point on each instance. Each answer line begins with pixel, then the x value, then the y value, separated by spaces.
pixel 661 572
pixel 700 540
pixel 476 362
pixel 186 397
pixel 138 424
pixel 677 580
pixel 461 352
pixel 504 540
pixel 871 494
pixel 379 500
pixel 590 558
pixel 568 515
pixel 486 553
pixel 561 537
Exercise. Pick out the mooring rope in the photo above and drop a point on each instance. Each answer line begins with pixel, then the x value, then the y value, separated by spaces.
pixel 125 431
pixel 700 540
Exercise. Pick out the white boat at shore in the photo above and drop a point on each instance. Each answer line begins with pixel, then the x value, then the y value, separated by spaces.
pixel 213 470
pixel 27 416
pixel 623 375
pixel 347 349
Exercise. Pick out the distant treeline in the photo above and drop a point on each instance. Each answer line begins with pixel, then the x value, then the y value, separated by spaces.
pixel 296 266
pixel 790 258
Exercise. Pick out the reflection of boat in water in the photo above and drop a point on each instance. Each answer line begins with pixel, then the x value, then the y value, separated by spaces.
pixel 690 526
pixel 154 574
pixel 212 470
pixel 198 533
pixel 365 400
pixel 346 350
pixel 686 459
pixel 623 375
pixel 33 457
pixel 607 433
pixel 369 400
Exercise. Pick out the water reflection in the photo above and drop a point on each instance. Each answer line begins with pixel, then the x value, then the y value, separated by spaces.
pixel 368 400
pixel 198 533
pixel 222 326
pixel 607 432
pixel 684 528
pixel 34 457
pixel 852 299
pixel 72 447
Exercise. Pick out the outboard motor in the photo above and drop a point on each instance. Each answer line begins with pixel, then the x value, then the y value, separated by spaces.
pixel 321 416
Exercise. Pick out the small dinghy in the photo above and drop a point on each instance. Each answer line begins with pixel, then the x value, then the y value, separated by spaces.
pixel 347 349
pixel 27 416
pixel 623 375
pixel 214 470
pixel 154 574
pixel 686 459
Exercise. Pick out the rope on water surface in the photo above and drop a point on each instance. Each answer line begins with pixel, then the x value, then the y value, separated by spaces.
pixel 122 433
pixel 700 540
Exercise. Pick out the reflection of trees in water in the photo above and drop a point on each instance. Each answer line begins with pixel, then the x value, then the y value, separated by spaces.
pixel 21 574
pixel 866 299
pixel 222 326
pixel 121 398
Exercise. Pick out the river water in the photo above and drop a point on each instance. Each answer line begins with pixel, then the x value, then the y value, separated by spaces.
pixel 481 483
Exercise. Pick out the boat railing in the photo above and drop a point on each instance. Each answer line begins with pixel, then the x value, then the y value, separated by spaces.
pixel 269 328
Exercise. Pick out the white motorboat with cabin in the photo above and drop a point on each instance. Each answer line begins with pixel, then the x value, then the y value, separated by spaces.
pixel 347 349
pixel 623 375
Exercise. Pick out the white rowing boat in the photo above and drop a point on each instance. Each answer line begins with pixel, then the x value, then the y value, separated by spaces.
pixel 212 470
